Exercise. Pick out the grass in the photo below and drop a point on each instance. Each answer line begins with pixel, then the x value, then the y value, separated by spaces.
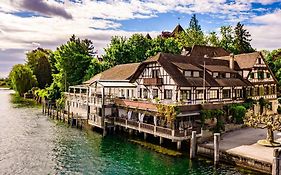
pixel 21 102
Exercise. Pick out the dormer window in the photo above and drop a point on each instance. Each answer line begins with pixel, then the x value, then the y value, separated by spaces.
pixel 215 74
pixel 196 74
pixel 227 75
pixel 267 75
pixel 187 73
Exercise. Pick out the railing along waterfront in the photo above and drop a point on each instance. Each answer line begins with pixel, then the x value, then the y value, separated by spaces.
pixel 149 128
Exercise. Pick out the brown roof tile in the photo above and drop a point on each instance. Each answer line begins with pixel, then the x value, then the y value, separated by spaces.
pixel 119 72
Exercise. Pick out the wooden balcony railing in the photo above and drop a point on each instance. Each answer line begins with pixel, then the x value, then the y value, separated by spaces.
pixel 152 81
pixel 156 130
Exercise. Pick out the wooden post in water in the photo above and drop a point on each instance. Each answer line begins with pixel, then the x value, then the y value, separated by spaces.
pixel 48 110
pixel 216 147
pixel 71 121
pixel 63 119
pixel 43 108
pixel 276 167
pixel 57 113
pixel 161 140
pixel 178 145
pixel 76 120
pixel 193 145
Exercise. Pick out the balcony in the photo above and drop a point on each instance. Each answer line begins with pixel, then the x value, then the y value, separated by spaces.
pixel 156 130
pixel 152 81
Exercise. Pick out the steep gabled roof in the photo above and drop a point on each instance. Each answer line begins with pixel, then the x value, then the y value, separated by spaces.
pixel 173 63
pixel 201 51
pixel 178 29
pixel 119 72
pixel 243 61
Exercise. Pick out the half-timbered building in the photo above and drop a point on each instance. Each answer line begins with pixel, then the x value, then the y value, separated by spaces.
pixel 204 78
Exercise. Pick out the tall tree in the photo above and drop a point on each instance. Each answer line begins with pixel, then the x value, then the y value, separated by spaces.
pixel 38 61
pixel 193 35
pixel 213 39
pixel 118 51
pixel 22 79
pixel 159 44
pixel 227 39
pixel 72 62
pixel 242 39
pixel 194 23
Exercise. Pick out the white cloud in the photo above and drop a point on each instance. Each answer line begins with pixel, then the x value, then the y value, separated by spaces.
pixel 99 20
pixel 266 31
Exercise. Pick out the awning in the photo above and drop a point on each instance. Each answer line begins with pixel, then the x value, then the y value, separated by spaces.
pixel 123 84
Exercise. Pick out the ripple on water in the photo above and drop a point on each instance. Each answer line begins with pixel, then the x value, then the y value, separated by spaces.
pixel 32 144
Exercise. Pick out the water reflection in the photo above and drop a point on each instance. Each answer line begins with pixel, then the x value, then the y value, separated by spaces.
pixel 30 143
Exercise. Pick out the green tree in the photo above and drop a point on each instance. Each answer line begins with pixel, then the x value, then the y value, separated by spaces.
pixel 194 23
pixel 242 39
pixel 139 45
pixel 227 39
pixel 95 68
pixel 22 79
pixel 118 51
pixel 38 61
pixel 72 62
pixel 213 39
pixel 193 35
pixel 166 45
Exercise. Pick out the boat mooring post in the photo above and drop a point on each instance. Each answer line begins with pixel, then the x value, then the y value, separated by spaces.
pixel 276 168
pixel 193 145
pixel 216 147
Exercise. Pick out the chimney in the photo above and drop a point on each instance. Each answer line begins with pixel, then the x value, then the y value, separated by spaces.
pixel 231 61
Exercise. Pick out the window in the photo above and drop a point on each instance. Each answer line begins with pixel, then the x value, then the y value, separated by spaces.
pixel 199 94
pixel 145 93
pixel 227 75
pixel 196 74
pixel 122 93
pixel 226 93
pixel 133 93
pixel 239 93
pixel 222 75
pixel 260 75
pixel 128 93
pixel 214 94
pixel 168 94
pixel 154 93
pixel 185 95
pixel 252 75
pixel 155 74
pixel 187 73
pixel 267 75
pixel 216 75
pixel 140 93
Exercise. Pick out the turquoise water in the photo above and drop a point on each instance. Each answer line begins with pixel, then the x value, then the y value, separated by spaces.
pixel 30 143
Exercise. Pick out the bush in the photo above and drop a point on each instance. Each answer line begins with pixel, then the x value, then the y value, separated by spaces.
pixel 22 79
pixel 238 113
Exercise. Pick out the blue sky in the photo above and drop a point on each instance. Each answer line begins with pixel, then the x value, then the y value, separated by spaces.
pixel 27 24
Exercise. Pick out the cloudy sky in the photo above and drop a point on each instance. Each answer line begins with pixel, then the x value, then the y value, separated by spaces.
pixel 27 24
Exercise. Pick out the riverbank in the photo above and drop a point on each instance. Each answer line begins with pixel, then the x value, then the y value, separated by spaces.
pixel 240 148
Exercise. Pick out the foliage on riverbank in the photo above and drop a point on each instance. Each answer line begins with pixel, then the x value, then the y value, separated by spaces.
pixel 20 102
pixel 4 83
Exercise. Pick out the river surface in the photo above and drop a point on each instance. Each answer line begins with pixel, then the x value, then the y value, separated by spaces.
pixel 32 144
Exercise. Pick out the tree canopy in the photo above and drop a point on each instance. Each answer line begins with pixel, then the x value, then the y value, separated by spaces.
pixel 72 62
pixel 22 79
pixel 38 61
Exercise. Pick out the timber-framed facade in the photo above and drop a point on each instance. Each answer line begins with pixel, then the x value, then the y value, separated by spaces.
pixel 203 78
